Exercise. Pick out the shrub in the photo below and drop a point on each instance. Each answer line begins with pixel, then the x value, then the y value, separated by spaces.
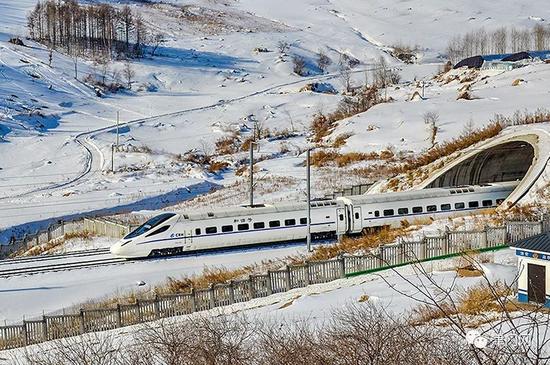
pixel 217 166
pixel 299 65
pixel 340 140
pixel 227 145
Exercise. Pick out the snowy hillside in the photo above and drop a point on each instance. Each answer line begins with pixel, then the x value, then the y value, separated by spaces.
pixel 218 72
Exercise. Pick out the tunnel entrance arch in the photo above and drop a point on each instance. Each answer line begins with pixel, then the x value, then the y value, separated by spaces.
pixel 505 162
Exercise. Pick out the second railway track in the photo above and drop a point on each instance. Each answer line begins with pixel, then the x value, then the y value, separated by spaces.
pixel 72 261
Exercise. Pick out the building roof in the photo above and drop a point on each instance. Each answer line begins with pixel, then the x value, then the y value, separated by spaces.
pixel 517 57
pixel 470 62
pixel 539 243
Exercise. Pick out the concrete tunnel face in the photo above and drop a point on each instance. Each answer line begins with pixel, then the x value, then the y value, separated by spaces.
pixel 506 162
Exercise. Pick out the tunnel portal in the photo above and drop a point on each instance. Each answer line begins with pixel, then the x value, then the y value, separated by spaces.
pixel 505 162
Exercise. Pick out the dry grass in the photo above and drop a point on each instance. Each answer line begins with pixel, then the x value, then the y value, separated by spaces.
pixel 217 166
pixel 323 125
pixel 47 247
pixel 227 145
pixel 367 241
pixel 341 139
pixel 323 158
pixel 481 298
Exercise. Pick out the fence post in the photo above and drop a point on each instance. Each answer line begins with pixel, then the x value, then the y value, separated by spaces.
pixel 287 277
pixel 157 306
pixel 250 287
pixel 118 316
pixel 342 265
pixel 62 228
pixel 231 292
pixel 25 333
pixel 306 276
pixel 211 297
pixel 541 226
pixel 269 285
pixel 381 256
pixel 484 238
pixel 140 317
pixel 82 324
pixel 193 301
pixel 44 328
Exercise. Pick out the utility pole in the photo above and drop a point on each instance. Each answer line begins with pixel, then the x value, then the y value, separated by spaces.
pixel 308 192
pixel 423 88
pixel 113 158
pixel 117 121
pixel 252 174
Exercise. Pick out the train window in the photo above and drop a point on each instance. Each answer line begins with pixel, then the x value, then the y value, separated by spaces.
pixel 274 224
pixel 210 214
pixel 290 222
pixel 259 225
pixel 473 204
pixel 377 213
pixel 431 208
pixel 445 206
pixel 460 205
pixel 341 216
pixel 227 228
pixel 356 215
pixel 150 224
pixel 500 201
pixel 417 209
pixel 303 220
pixel 487 203
pixel 243 227
pixel 211 230
pixel 197 231
pixel 160 230
pixel 402 211
pixel 388 212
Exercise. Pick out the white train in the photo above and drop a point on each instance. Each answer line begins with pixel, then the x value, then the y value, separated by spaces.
pixel 172 233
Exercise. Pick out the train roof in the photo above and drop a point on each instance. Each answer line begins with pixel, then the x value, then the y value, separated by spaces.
pixel 257 209
pixel 431 193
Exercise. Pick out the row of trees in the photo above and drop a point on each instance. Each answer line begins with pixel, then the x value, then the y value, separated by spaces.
pixel 88 29
pixel 499 41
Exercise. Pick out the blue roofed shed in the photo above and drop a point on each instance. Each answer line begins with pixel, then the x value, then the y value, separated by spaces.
pixel 534 269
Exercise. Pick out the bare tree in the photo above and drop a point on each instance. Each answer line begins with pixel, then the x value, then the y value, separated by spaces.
pixel 344 73
pixel 283 46
pixel 156 41
pixel 539 37
pixel 128 74
pixel 299 65
pixel 430 120
pixel 499 40
pixel 323 61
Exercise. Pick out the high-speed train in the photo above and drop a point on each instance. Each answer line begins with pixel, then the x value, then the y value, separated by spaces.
pixel 172 233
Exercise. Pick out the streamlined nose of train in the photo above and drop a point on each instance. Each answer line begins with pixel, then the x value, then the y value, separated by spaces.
pixel 116 248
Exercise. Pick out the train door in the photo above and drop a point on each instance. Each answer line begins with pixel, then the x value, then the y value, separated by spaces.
pixel 357 220
pixel 341 222
pixel 188 239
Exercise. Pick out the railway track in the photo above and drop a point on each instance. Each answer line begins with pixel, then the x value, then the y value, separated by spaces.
pixel 70 261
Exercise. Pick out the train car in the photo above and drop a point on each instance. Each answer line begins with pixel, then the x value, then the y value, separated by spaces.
pixel 172 233
pixel 377 210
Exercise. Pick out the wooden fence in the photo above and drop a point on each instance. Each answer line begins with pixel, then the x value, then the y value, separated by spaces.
pixel 58 231
pixel 51 327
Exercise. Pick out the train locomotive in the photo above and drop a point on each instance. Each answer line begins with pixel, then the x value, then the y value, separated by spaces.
pixel 174 233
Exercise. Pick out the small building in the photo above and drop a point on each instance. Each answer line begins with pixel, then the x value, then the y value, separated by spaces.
pixel 501 65
pixel 534 269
